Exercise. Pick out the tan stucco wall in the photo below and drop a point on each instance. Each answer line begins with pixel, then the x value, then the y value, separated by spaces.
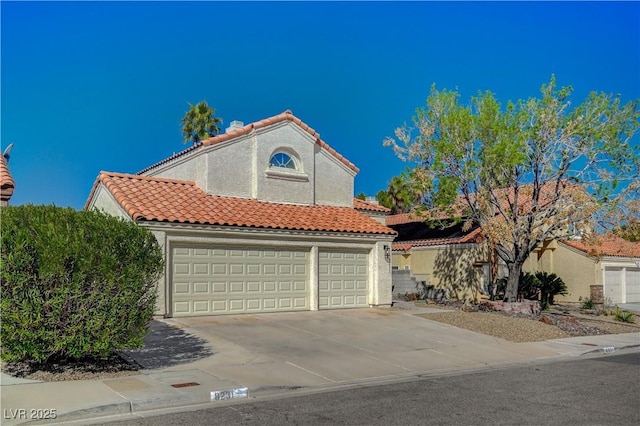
pixel 578 272
pixel 447 267
pixel 380 276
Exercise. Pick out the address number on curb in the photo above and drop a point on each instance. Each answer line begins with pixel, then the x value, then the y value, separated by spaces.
pixel 229 394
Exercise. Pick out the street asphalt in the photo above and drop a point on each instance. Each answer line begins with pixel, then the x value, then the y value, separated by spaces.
pixel 203 361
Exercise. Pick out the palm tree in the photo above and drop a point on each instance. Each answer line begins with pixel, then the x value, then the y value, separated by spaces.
pixel 199 123
pixel 402 194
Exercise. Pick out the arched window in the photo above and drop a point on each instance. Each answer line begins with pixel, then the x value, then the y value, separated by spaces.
pixel 282 160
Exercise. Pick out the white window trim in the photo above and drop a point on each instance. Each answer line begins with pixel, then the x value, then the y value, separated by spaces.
pixel 286 174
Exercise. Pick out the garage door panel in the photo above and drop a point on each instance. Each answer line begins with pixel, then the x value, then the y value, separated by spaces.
pixel 201 288
pixel 343 279
pixel 200 306
pixel 633 285
pixel 181 269
pixel 182 288
pixel 236 280
pixel 613 284
pixel 201 269
pixel 236 269
pixel 218 306
pixel 253 305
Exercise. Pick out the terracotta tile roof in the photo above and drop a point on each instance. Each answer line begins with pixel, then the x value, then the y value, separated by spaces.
pixel 402 218
pixel 285 116
pixel 178 201
pixel 359 204
pixel 607 246
pixel 471 237
pixel 7 184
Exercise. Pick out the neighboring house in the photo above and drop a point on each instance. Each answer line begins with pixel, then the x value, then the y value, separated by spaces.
pixel 459 263
pixel 259 219
pixel 7 184
pixel 451 259
pixel 608 270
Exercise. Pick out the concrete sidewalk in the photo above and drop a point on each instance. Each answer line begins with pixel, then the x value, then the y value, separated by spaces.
pixel 291 353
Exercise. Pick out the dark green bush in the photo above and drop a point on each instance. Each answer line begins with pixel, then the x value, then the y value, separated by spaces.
pixel 74 283
pixel 528 286
pixel 550 286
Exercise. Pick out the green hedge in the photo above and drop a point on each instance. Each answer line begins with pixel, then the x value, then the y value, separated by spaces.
pixel 74 283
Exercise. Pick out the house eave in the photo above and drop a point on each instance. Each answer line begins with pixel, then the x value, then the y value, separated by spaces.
pixel 255 231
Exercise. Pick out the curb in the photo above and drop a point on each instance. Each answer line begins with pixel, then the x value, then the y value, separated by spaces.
pixel 610 349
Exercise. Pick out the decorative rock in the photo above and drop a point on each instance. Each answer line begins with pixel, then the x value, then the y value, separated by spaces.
pixel 546 320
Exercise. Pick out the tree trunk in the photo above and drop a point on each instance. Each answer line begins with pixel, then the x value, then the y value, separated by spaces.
pixel 511 292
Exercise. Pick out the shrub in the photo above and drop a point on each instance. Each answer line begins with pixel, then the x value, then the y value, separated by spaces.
pixel 528 286
pixel 550 285
pixel 74 284
pixel 623 316
pixel 588 303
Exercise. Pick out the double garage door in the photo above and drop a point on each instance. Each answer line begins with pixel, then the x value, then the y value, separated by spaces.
pixel 622 285
pixel 236 280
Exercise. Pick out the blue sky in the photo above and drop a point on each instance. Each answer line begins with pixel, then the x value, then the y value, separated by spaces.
pixel 91 86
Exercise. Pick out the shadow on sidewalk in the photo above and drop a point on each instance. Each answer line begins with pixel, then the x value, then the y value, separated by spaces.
pixel 166 346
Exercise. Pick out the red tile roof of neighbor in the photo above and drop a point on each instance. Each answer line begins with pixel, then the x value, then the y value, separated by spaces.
pixel 7 184
pixel 607 246
pixel 359 204
pixel 402 218
pixel 232 134
pixel 178 201
pixel 474 236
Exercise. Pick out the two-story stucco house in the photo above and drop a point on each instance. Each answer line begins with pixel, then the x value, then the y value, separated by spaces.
pixel 260 218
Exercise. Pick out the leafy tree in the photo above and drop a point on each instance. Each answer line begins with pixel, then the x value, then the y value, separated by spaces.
pixel 629 231
pixel 527 172
pixel 199 123
pixel 361 196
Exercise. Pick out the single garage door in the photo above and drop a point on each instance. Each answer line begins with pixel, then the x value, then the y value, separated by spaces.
pixel 613 284
pixel 632 287
pixel 235 280
pixel 342 281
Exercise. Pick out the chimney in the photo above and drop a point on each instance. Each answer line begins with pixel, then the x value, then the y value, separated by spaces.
pixel 372 200
pixel 235 124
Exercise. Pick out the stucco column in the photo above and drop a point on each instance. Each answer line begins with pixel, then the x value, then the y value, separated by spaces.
pixel 381 278
pixel 162 285
pixel 313 278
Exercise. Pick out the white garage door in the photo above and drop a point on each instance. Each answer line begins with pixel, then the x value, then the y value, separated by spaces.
pixel 229 280
pixel 613 284
pixel 632 285
pixel 342 281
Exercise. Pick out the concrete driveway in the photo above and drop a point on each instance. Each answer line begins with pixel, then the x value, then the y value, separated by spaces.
pixel 198 361
pixel 284 351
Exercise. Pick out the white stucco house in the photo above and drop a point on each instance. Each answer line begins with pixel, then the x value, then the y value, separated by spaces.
pixel 260 218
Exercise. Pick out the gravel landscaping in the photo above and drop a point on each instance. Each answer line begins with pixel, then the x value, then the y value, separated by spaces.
pixel 558 322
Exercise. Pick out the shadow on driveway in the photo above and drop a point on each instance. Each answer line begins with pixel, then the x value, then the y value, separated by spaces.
pixel 166 346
